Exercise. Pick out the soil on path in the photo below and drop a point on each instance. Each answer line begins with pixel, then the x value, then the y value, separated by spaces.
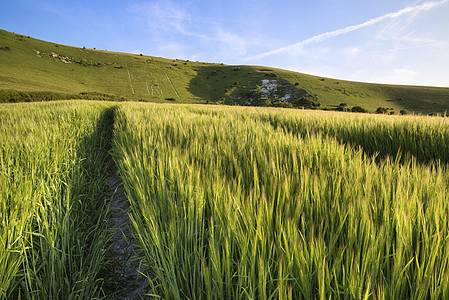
pixel 128 282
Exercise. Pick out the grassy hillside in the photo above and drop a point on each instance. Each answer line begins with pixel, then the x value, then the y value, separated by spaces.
pixel 34 65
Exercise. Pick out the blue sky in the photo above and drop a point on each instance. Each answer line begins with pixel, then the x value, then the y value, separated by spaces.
pixel 387 41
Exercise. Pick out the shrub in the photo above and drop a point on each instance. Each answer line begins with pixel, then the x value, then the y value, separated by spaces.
pixel 278 103
pixel 359 109
pixel 307 102
pixel 270 74
pixel 404 112
pixel 381 110
pixel 265 102
pixel 342 108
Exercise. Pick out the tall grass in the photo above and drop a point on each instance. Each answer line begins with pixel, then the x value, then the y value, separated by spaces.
pixel 53 189
pixel 423 138
pixel 226 205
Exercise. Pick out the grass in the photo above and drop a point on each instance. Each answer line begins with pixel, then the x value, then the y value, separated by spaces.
pixel 226 202
pixel 33 65
pixel 226 205
pixel 53 190
pixel 14 96
pixel 421 138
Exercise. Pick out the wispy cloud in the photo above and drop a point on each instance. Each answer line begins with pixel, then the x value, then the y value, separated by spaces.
pixel 163 15
pixel 327 35
pixel 232 43
pixel 176 30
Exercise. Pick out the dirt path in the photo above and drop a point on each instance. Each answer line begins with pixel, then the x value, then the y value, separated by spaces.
pixel 128 283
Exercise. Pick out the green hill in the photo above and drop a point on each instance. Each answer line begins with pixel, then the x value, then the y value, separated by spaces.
pixel 28 64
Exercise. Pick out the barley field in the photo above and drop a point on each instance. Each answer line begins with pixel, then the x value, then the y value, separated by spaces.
pixel 53 190
pixel 232 203
pixel 226 202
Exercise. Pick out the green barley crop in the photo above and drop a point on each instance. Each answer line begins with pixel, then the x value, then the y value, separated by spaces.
pixel 275 204
pixel 226 202
pixel 53 171
pixel 423 138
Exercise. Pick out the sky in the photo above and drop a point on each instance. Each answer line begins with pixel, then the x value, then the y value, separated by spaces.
pixel 382 41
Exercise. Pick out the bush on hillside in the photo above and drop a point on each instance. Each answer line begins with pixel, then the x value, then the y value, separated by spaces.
pixel 381 110
pixel 358 109
pixel 253 97
pixel 280 103
pixel 270 74
pixel 264 102
pixel 342 108
pixel 307 102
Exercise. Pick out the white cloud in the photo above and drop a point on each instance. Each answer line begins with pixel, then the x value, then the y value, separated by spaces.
pixel 351 51
pixel 175 29
pixel 297 47
pixel 166 14
pixel 232 43
pixel 163 16
pixel 171 48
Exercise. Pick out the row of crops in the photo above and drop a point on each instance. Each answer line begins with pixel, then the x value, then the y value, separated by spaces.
pixel 226 202
pixel 53 193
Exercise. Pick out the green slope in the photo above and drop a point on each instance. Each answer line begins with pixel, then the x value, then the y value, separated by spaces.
pixel 33 65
